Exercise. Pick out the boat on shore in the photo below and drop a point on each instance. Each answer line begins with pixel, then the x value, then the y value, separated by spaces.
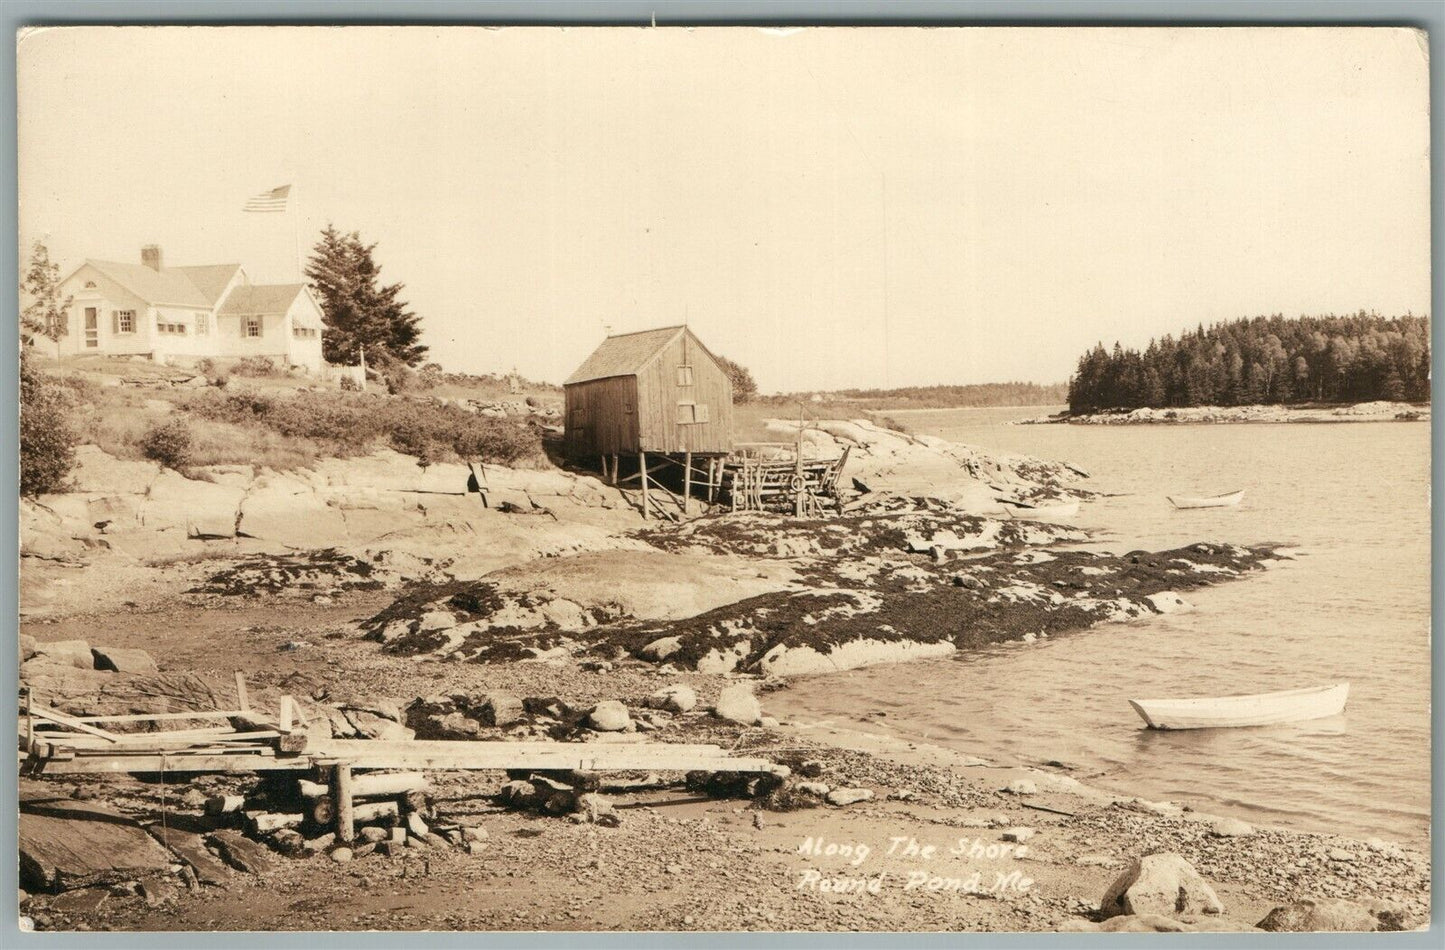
pixel 1260 709
pixel 1049 511
pixel 1227 500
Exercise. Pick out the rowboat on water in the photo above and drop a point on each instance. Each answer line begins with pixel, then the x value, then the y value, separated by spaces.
pixel 1045 512
pixel 1263 709
pixel 1211 501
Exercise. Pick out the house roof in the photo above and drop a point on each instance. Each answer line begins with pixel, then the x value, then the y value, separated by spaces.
pixel 171 285
pixel 210 279
pixel 261 298
pixel 624 355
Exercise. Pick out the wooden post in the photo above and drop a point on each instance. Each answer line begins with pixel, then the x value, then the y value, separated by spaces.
pixel 642 463
pixel 614 468
pixel 687 481
pixel 29 722
pixel 284 722
pixel 341 795
pixel 241 702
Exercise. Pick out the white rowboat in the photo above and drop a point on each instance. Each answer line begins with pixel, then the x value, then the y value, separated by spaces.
pixel 1212 501
pixel 1048 512
pixel 1263 709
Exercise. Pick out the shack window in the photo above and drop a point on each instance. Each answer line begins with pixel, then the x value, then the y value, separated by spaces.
pixel 253 326
pixel 124 321
pixel 579 416
pixel 689 413
pixel 684 375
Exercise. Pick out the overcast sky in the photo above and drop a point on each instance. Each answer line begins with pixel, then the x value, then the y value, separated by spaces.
pixel 830 207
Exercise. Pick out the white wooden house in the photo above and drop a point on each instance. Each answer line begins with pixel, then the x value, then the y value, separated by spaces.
pixel 186 314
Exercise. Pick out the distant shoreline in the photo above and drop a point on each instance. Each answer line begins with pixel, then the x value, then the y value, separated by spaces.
pixel 1243 415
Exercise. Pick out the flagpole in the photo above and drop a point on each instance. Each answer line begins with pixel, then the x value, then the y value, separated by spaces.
pixel 296 231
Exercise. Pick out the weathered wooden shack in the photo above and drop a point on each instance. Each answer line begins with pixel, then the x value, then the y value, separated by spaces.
pixel 657 392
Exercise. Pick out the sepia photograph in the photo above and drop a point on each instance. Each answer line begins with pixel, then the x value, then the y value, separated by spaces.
pixel 724 479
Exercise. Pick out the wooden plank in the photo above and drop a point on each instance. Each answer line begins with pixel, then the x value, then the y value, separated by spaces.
pixel 60 718
pixel 123 764
pixel 161 717
pixel 286 714
pixel 241 701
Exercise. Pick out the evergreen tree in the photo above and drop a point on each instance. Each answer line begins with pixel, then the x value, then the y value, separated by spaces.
pixel 359 311
pixel 1355 358
pixel 45 314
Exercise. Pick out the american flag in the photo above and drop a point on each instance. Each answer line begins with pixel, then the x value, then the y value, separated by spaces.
pixel 273 200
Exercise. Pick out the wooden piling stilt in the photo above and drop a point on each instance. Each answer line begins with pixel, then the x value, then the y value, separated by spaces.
pixel 341 797
pixel 642 471
pixel 687 482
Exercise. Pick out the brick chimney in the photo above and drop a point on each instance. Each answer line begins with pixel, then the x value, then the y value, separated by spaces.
pixel 150 256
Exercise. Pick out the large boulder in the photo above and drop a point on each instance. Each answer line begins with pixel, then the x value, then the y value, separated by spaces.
pixel 74 653
pixel 738 704
pixel 202 509
pixel 1322 914
pixel 677 698
pixel 1164 884
pixel 609 716
pixel 289 511
pixel 123 661
pixel 66 843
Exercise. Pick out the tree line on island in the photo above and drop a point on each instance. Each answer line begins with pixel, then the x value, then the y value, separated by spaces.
pixel 1262 360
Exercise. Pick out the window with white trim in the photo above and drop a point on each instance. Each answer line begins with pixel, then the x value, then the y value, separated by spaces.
pixel 203 324
pixel 253 326
pixel 123 321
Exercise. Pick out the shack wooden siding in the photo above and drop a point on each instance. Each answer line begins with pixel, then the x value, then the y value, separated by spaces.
pixel 660 392
pixel 601 417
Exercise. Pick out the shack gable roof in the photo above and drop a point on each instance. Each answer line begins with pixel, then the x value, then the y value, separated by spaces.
pixel 625 354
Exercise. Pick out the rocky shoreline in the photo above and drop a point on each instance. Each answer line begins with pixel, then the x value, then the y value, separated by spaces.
pixel 437 616
pixel 1198 415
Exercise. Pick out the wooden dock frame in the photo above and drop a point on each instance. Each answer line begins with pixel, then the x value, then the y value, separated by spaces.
pixel 68 745
pixel 659 501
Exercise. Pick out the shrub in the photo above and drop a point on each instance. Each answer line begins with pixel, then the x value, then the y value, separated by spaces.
pixel 47 438
pixel 255 366
pixel 355 423
pixel 350 385
pixel 169 443
pixel 888 422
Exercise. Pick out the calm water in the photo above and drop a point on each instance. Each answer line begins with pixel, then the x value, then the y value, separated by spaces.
pixel 1353 606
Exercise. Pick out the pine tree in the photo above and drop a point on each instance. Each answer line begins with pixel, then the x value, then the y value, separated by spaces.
pixel 46 314
pixel 360 312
